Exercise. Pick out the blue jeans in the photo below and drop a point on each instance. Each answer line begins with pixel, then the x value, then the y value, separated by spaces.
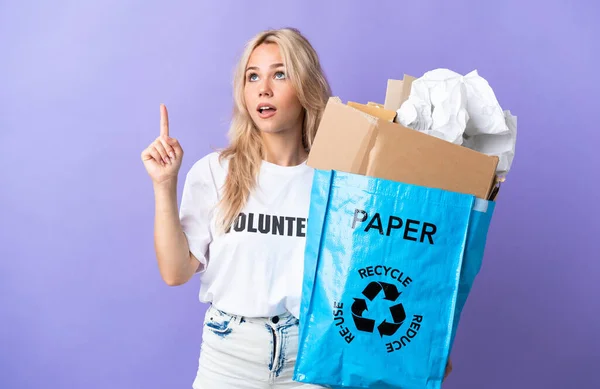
pixel 248 353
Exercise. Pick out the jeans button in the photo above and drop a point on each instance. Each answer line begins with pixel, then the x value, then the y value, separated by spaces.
pixel 275 319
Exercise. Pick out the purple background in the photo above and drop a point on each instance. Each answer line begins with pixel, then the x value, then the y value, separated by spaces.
pixel 81 301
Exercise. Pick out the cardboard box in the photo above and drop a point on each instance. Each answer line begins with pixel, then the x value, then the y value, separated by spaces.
pixel 372 110
pixel 397 92
pixel 374 104
pixel 362 139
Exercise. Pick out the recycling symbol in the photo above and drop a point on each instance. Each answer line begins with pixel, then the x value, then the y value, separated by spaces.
pixel 390 292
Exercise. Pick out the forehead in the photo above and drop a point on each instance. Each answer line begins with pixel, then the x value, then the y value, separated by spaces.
pixel 265 55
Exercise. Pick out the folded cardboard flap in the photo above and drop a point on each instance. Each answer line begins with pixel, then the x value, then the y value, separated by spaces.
pixel 397 92
pixel 351 141
pixel 378 112
pixel 393 101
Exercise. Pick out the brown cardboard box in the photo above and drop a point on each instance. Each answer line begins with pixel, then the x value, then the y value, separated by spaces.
pixel 397 92
pixel 356 141
pixel 382 113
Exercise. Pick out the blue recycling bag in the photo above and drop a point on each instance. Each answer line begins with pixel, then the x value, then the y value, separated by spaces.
pixel 388 268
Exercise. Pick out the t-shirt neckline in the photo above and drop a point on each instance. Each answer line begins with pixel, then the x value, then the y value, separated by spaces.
pixel 273 167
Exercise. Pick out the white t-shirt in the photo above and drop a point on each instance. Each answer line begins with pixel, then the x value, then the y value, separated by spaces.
pixel 255 269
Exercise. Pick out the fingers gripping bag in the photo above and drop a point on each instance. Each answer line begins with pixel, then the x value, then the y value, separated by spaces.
pixel 388 267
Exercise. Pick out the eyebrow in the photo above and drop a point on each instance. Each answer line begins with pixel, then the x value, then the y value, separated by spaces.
pixel 275 65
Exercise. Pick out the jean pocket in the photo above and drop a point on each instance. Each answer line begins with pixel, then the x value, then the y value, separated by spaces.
pixel 218 322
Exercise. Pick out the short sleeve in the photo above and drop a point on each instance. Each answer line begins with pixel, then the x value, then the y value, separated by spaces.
pixel 198 202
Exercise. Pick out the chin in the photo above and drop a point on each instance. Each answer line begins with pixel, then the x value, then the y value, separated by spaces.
pixel 269 128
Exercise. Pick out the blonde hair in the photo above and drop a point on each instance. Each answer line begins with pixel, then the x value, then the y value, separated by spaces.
pixel 245 151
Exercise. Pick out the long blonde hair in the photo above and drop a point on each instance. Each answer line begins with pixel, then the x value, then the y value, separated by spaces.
pixel 245 151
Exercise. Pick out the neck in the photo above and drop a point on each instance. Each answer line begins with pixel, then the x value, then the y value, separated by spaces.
pixel 284 148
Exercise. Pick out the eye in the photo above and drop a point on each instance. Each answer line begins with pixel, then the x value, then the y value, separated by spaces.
pixel 252 77
pixel 280 75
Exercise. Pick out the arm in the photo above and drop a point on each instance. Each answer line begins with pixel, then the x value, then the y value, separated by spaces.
pixel 448 369
pixel 162 159
pixel 176 263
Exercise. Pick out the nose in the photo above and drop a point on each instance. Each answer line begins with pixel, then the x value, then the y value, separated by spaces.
pixel 265 89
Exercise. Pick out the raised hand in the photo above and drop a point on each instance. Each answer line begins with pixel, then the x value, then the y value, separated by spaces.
pixel 162 158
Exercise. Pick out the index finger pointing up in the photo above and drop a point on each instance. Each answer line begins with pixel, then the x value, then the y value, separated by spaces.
pixel 164 120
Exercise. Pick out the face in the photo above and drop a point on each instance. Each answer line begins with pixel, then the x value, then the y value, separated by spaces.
pixel 270 97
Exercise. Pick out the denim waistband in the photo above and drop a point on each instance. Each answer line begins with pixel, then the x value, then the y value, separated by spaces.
pixel 283 319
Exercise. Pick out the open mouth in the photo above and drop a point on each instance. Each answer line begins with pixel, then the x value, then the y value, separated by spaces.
pixel 266 110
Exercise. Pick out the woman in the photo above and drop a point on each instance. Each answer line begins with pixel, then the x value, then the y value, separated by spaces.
pixel 242 219
pixel 250 270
